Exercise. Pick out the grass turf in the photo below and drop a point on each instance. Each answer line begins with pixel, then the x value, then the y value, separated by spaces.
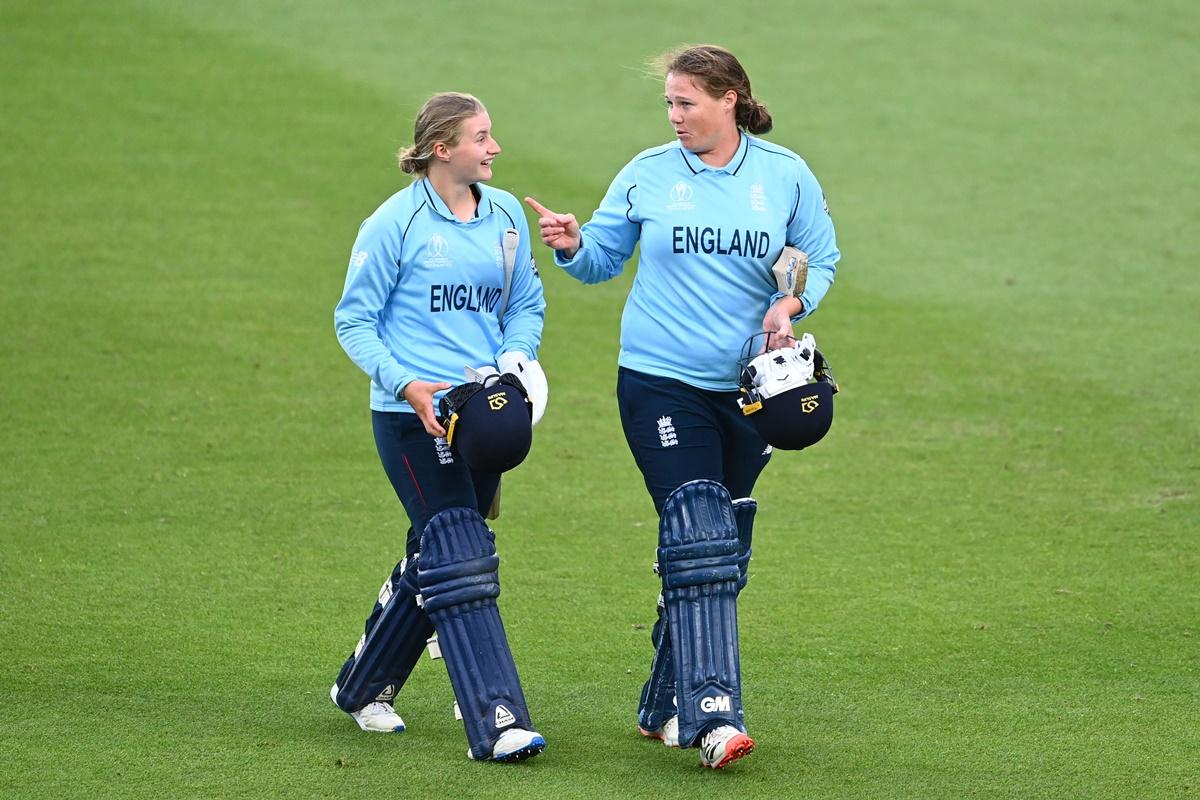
pixel 982 584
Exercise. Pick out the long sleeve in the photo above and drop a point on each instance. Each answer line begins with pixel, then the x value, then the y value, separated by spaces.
pixel 370 279
pixel 811 229
pixel 610 236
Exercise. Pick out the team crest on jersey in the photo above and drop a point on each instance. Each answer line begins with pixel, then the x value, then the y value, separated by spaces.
pixel 758 198
pixel 436 252
pixel 681 197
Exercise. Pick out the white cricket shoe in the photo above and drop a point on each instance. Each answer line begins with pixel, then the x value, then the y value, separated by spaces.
pixel 516 744
pixel 723 745
pixel 668 733
pixel 377 717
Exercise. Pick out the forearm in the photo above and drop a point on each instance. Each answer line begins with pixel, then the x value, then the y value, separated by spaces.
pixel 591 263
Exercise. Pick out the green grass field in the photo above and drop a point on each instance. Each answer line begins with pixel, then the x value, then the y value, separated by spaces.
pixel 984 583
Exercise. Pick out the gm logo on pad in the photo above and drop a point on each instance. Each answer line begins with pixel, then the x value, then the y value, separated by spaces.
pixel 710 704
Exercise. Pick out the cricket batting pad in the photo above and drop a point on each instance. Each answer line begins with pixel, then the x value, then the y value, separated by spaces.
pixel 698 561
pixel 391 648
pixel 459 587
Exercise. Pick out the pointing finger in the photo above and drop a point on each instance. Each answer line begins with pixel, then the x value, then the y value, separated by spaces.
pixel 539 208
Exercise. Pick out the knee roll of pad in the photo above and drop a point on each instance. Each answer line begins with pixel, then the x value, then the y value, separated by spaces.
pixel 459 585
pixel 698 559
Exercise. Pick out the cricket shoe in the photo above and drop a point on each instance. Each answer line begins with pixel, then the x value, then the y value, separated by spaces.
pixel 668 733
pixel 516 744
pixel 723 745
pixel 377 717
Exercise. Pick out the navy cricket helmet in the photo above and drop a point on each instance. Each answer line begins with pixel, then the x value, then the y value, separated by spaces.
pixel 787 392
pixel 488 424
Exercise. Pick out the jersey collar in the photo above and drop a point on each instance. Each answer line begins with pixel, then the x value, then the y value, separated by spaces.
pixel 697 166
pixel 483 209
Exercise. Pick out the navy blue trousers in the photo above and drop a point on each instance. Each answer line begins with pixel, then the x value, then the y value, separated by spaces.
pixel 678 433
pixel 426 477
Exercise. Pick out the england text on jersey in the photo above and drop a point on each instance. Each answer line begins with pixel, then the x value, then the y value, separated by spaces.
pixel 458 297
pixel 746 243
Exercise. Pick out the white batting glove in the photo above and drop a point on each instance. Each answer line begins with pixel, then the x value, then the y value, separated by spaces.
pixel 529 371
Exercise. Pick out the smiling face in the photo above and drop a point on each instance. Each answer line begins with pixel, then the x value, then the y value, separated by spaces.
pixel 703 123
pixel 469 159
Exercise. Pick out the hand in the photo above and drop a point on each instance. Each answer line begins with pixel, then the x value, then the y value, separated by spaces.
pixel 778 322
pixel 419 395
pixel 559 231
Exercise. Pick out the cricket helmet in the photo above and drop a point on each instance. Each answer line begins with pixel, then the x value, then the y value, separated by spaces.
pixel 787 392
pixel 488 423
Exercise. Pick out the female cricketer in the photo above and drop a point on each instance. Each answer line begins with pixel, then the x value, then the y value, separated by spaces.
pixel 712 211
pixel 427 295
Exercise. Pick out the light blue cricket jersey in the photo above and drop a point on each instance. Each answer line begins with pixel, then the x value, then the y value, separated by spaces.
pixel 708 239
pixel 422 293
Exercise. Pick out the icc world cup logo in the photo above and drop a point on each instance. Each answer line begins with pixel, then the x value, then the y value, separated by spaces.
pixel 681 192
pixel 437 247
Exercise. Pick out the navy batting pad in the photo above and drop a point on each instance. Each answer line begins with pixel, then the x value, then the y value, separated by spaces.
pixel 391 647
pixel 459 586
pixel 698 560
pixel 657 704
